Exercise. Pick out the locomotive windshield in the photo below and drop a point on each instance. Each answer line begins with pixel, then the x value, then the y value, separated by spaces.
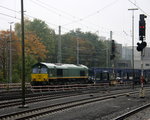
pixel 38 70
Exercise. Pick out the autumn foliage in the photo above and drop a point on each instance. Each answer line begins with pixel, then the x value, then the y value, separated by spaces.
pixel 34 47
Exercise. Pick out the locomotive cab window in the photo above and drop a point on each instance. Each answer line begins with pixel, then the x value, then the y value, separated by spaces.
pixel 38 70
pixel 82 73
pixel 43 70
pixel 35 70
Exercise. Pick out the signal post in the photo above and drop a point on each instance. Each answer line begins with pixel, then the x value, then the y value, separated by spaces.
pixel 140 48
pixel 112 57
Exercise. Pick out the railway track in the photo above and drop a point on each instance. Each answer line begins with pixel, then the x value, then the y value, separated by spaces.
pixel 13 94
pixel 132 112
pixel 16 94
pixel 40 90
pixel 41 111
pixel 39 97
pixel 42 97
pixel 35 99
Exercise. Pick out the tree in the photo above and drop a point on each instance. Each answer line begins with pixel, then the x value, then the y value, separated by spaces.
pixel 43 32
pixel 91 49
pixel 68 49
pixel 46 35
pixel 33 47
pixel 3 54
pixel 5 51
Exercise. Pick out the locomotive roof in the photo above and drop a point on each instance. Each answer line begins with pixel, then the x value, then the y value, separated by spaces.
pixel 61 66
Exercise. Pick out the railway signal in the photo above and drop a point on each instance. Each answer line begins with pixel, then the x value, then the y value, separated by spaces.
pixel 113 46
pixel 140 47
pixel 113 49
pixel 142 33
pixel 142 26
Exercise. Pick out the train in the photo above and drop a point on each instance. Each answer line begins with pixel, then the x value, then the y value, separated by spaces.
pixel 119 75
pixel 52 74
pixel 63 74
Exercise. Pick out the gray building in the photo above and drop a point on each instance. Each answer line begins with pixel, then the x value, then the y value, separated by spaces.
pixel 146 59
pixel 126 53
pixel 127 57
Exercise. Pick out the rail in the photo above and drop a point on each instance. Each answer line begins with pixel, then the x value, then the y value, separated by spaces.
pixel 72 87
pixel 132 112
pixel 13 86
pixel 37 112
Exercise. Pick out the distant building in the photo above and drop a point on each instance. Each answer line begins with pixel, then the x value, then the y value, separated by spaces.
pixel 146 59
pixel 147 53
pixel 119 50
pixel 126 53
pixel 137 55
pixel 146 64
pixel 126 59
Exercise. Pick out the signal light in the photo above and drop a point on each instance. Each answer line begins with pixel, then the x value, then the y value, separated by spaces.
pixel 141 46
pixel 113 47
pixel 142 26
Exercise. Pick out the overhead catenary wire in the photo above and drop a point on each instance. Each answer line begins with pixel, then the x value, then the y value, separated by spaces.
pixel 92 14
pixel 33 18
pixel 10 16
pixel 29 17
pixel 62 12
pixel 102 30
pixel 45 6
pixel 9 9
pixel 48 6
pixel 20 13
pixel 139 8
pixel 78 20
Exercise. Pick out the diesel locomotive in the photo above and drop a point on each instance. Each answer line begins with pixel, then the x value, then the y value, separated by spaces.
pixel 52 74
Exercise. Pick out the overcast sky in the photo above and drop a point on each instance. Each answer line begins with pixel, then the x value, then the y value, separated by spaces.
pixel 96 16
